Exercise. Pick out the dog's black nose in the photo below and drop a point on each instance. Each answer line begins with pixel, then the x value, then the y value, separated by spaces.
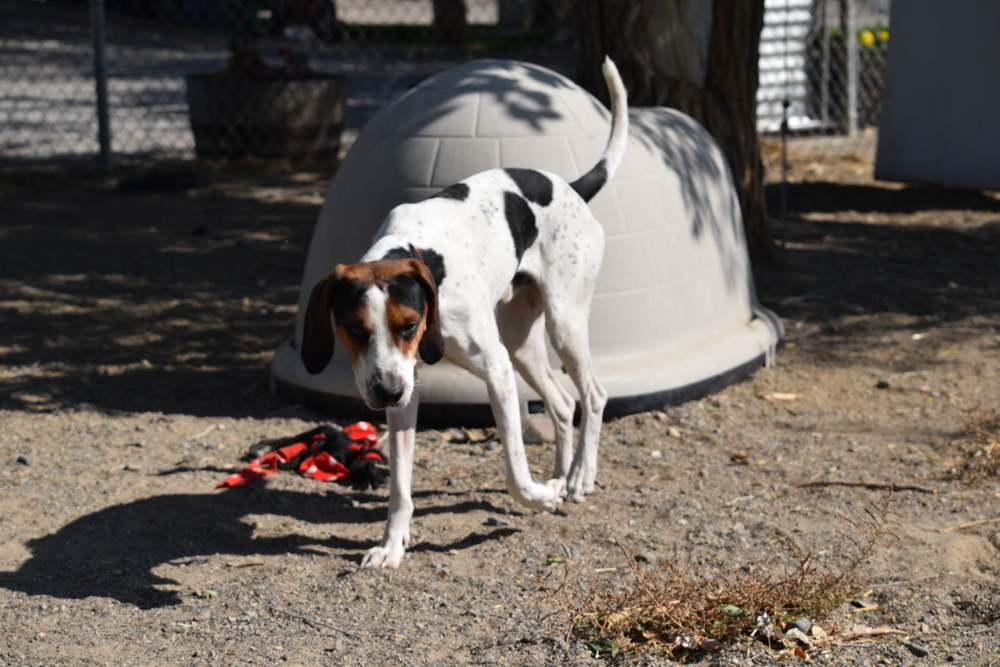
pixel 388 394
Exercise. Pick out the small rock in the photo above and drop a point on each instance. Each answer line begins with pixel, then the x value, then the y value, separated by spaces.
pixel 24 459
pixel 456 435
pixel 136 443
pixel 656 453
pixel 803 624
pixel 491 446
pixel 674 432
pixel 917 649
pixel 882 384
pixel 660 416
pixel 453 481
pixel 644 557
pixel 710 645
pixel 528 560
pixel 497 521
pixel 538 429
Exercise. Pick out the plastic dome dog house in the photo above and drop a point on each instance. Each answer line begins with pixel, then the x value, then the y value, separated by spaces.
pixel 674 316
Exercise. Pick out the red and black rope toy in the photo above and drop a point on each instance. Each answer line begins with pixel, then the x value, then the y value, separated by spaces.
pixel 326 453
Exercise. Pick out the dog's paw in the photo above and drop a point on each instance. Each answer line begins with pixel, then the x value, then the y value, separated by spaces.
pixel 384 556
pixel 545 497
pixel 558 485
pixel 576 488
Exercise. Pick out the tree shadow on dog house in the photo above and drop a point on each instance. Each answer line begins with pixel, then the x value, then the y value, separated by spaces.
pixel 674 315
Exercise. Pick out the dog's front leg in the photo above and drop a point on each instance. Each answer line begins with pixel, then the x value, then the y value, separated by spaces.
pixel 402 440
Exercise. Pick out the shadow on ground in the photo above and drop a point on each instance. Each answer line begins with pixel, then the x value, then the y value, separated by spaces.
pixel 174 302
pixel 170 302
pixel 113 552
pixel 848 263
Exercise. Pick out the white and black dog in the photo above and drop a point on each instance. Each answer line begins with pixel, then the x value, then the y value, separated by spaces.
pixel 476 274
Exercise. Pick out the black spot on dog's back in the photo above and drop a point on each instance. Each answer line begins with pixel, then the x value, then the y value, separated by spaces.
pixel 591 183
pixel 521 220
pixel 458 192
pixel 430 257
pixel 535 186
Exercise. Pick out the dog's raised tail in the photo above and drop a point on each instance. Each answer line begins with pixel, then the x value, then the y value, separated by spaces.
pixel 591 183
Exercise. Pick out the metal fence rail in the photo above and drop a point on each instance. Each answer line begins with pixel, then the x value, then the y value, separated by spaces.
pixel 49 96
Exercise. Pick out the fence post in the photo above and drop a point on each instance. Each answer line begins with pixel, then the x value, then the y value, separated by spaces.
pixel 853 57
pixel 101 82
pixel 824 86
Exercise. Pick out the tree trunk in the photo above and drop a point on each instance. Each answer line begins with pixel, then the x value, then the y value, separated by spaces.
pixel 450 24
pixel 698 56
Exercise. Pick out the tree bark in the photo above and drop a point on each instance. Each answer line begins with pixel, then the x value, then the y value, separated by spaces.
pixel 451 27
pixel 698 56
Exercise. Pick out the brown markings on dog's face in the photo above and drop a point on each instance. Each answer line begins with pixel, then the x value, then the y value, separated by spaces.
pixel 385 312
pixel 350 309
pixel 405 306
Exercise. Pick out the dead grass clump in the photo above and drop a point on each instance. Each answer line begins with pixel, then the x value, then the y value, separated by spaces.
pixel 682 610
pixel 979 445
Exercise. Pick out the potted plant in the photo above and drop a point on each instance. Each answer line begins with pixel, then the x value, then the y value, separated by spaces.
pixel 260 110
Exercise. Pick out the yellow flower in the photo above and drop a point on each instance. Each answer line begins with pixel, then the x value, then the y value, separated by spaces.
pixel 866 37
pixel 883 35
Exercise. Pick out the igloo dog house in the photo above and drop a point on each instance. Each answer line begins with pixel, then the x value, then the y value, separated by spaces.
pixel 674 316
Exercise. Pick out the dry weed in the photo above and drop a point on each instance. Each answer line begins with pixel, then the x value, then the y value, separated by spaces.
pixel 979 446
pixel 683 610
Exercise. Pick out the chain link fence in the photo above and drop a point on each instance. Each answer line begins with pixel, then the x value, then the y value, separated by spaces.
pixel 322 66
pixel 821 65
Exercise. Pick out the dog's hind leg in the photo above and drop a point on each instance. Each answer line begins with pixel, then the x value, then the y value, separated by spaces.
pixel 522 329
pixel 567 328
pixel 491 362
pixel 402 440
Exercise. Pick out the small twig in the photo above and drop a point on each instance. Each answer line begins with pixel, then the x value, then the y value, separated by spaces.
pixel 907 581
pixel 202 434
pixel 848 636
pixel 315 622
pixel 802 334
pixel 989 618
pixel 970 524
pixel 889 486
pixel 738 500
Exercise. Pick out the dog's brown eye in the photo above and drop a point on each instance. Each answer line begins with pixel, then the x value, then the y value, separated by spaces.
pixel 358 332
pixel 407 330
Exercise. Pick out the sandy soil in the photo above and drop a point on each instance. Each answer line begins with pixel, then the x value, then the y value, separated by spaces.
pixel 135 335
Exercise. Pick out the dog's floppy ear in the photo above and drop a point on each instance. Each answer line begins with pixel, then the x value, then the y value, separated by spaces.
pixel 317 333
pixel 431 343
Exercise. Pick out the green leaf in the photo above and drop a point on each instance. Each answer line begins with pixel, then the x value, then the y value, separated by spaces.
pixel 552 560
pixel 732 611
pixel 602 646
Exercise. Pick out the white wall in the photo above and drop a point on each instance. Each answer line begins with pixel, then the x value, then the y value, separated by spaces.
pixel 941 102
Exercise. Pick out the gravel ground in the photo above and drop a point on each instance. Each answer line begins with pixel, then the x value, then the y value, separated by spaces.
pixel 135 334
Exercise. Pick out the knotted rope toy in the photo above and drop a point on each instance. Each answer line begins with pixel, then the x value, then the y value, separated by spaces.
pixel 347 456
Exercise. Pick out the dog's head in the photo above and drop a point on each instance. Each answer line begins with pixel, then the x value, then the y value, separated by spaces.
pixel 385 312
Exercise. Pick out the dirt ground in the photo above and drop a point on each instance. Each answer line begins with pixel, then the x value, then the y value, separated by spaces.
pixel 135 335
